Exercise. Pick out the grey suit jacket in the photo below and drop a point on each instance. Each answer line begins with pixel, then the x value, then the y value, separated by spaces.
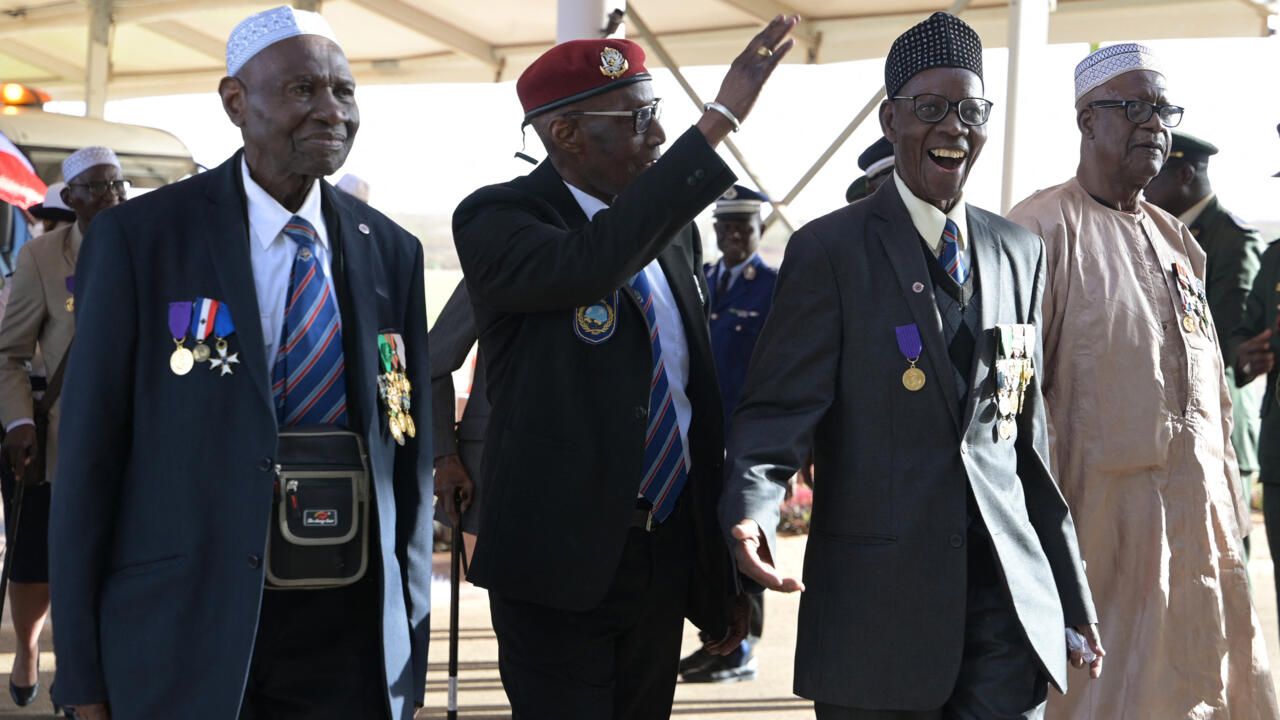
pixel 883 617
pixel 450 340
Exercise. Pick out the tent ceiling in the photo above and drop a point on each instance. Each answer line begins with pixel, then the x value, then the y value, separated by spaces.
pixel 173 46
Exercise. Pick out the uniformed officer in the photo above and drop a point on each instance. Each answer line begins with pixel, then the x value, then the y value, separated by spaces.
pixel 1234 248
pixel 741 294
pixel 876 163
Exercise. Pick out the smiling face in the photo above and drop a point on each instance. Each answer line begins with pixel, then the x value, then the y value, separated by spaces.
pixel 934 159
pixel 1130 153
pixel 737 236
pixel 296 108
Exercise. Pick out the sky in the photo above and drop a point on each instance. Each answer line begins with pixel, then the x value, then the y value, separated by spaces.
pixel 423 148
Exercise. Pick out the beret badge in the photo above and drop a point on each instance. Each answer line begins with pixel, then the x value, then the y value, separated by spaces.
pixel 612 63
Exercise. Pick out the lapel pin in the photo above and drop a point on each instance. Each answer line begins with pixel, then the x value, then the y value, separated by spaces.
pixel 363 228
pixel 918 287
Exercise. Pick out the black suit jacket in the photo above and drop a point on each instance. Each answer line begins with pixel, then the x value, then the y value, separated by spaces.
pixel 164 489
pixel 882 621
pixel 563 453
pixel 1260 313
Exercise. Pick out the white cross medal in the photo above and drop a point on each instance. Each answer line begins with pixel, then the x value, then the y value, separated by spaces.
pixel 223 327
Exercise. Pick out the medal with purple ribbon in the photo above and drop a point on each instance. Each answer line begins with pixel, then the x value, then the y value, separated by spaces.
pixel 181 361
pixel 911 347
pixel 71 290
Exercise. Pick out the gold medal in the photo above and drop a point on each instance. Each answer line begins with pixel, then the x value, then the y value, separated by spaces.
pixel 200 353
pixel 1006 428
pixel 1189 323
pixel 181 362
pixel 913 379
pixel 395 430
pixel 1006 404
pixel 71 304
pixel 409 428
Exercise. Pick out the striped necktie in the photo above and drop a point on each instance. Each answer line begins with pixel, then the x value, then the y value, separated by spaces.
pixel 951 258
pixel 664 465
pixel 309 379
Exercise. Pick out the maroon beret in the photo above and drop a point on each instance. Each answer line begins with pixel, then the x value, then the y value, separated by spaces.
pixel 576 70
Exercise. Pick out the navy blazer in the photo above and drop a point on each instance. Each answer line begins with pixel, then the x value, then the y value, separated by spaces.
pixel 161 502
pixel 736 320
pixel 882 619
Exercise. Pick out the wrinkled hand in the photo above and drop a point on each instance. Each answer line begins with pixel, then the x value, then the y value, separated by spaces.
pixel 739 621
pixel 1090 633
pixel 752 556
pixel 20 447
pixel 747 76
pixel 97 711
pixel 1254 357
pixel 454 487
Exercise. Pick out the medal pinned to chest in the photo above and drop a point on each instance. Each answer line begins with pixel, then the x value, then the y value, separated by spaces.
pixel 911 347
pixel 1194 301
pixel 71 291
pixel 1015 367
pixel 201 319
pixel 393 387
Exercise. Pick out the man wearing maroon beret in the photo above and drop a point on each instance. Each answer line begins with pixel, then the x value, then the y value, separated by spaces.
pixel 604 456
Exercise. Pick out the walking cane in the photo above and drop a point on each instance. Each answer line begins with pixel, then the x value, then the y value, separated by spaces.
pixel 455 581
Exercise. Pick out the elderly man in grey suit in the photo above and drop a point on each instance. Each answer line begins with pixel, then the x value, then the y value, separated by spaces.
pixel 942 577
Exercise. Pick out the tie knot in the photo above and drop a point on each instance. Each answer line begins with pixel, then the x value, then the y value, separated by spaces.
pixel 950 232
pixel 301 232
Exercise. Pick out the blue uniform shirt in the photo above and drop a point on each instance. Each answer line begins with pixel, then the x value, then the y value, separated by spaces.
pixel 736 320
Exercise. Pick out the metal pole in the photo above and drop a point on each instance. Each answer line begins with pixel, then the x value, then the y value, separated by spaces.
pixel 581 19
pixel 956 8
pixel 1028 33
pixel 643 28
pixel 455 583
pixel 98 64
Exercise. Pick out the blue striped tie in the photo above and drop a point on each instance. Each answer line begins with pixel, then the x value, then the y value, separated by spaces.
pixel 664 467
pixel 951 258
pixel 309 380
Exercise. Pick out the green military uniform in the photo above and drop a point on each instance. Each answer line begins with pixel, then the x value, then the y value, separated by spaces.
pixel 1235 256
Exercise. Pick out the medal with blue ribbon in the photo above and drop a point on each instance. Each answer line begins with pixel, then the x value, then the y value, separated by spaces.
pixel 204 310
pixel 910 345
pixel 222 328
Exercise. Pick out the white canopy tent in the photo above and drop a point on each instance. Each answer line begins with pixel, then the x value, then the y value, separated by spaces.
pixel 95 49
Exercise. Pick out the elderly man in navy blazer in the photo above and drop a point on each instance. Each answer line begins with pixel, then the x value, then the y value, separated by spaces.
pixel 942 577
pixel 215 314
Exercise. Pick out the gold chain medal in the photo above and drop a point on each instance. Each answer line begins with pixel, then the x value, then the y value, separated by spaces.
pixel 402 380
pixel 911 347
pixel 390 389
pixel 181 361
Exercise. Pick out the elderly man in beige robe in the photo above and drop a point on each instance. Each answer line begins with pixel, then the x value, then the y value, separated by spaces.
pixel 1139 420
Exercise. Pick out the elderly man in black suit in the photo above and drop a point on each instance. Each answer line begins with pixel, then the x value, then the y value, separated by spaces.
pixel 942 567
pixel 216 317
pixel 603 459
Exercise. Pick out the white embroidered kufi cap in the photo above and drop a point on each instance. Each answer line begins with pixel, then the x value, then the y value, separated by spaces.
pixel 85 158
pixel 258 32
pixel 1111 61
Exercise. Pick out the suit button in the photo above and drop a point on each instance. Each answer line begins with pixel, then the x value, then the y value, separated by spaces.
pixel 737 328
pixel 265 464
pixel 715 316
pixel 691 181
pixel 641 412
pixel 957 541
pixel 699 173
pixel 255 562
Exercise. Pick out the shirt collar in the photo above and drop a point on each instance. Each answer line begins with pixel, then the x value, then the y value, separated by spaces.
pixel 590 204
pixel 930 221
pixel 736 271
pixel 267 217
pixel 1192 214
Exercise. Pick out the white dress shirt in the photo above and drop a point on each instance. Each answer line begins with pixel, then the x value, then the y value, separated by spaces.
pixel 930 221
pixel 675 348
pixel 272 254
pixel 1191 214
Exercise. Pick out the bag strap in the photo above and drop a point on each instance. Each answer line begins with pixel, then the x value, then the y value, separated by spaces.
pixel 54 388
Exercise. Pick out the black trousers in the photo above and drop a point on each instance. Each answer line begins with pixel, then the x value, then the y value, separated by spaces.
pixel 618 660
pixel 1271 517
pixel 1000 676
pixel 318 656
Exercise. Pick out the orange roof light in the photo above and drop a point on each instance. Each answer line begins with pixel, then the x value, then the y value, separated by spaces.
pixel 18 94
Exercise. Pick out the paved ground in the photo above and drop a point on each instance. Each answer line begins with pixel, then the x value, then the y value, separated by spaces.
pixel 481 696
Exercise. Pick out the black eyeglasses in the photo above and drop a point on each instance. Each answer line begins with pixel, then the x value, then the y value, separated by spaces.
pixel 642 117
pixel 932 108
pixel 99 188
pixel 1140 111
